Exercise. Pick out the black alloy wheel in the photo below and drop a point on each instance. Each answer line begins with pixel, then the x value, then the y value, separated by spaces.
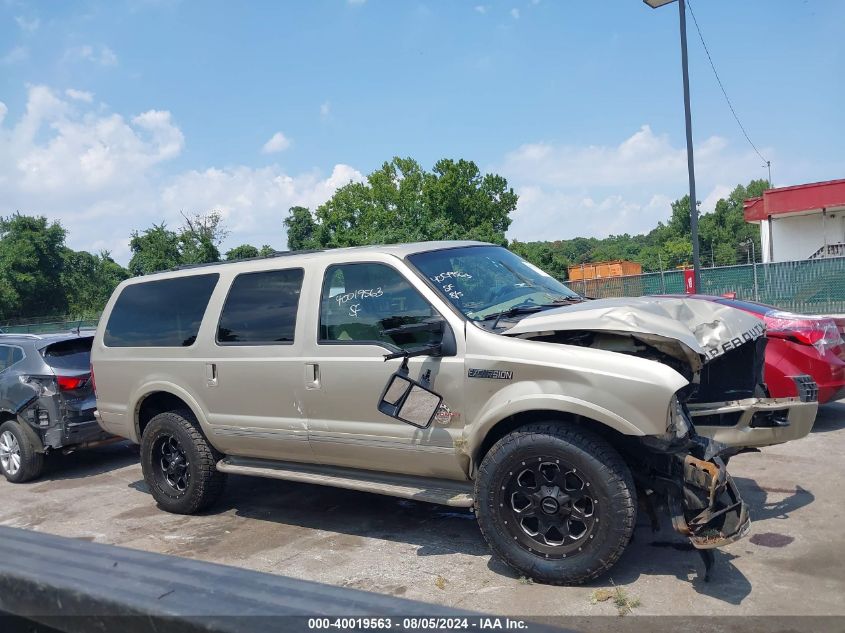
pixel 549 506
pixel 174 468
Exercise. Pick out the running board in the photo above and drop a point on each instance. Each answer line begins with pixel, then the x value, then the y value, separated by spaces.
pixel 446 492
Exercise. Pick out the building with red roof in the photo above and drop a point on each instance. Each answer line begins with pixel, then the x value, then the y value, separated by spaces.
pixel 800 222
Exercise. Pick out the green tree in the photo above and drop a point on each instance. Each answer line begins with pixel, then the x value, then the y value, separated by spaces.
pixel 266 251
pixel 157 248
pixel 401 202
pixel 88 281
pixel 301 229
pixel 30 267
pixel 200 237
pixel 244 251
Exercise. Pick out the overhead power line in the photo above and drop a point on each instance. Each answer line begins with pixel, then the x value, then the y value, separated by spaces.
pixel 725 92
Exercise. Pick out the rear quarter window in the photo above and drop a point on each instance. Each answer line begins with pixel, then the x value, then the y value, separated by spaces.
pixel 165 313
pixel 73 354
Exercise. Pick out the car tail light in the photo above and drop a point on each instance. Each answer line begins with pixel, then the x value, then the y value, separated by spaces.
pixel 819 332
pixel 93 382
pixel 69 383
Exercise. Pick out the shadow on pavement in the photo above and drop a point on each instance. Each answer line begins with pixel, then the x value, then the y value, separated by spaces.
pixel 88 462
pixel 831 417
pixel 757 496
pixel 439 531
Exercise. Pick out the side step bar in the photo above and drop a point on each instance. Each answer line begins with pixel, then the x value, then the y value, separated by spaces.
pixel 446 492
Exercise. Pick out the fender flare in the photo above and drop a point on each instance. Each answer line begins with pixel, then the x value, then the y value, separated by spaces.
pixel 149 389
pixel 490 418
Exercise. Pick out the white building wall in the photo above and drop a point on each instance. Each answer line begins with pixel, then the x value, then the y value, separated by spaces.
pixel 798 237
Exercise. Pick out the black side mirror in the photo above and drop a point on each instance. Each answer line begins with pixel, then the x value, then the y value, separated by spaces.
pixel 408 401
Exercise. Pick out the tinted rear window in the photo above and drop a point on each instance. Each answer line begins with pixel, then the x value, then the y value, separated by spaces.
pixel 163 313
pixel 74 354
pixel 261 308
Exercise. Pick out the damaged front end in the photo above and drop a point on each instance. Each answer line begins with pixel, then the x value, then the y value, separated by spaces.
pixel 685 472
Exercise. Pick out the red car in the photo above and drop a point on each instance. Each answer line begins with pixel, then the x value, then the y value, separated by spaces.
pixel 798 344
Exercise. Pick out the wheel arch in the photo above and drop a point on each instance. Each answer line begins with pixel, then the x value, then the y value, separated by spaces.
pixel 614 430
pixel 158 398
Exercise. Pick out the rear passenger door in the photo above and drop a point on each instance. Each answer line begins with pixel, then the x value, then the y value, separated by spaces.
pixel 253 381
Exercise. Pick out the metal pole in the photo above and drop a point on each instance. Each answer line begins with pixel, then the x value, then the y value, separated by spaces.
pixel 662 280
pixel 693 210
pixel 754 268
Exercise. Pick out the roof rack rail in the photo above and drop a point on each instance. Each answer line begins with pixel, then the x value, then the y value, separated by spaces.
pixel 245 259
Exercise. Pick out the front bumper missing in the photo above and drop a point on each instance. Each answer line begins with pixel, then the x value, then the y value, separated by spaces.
pixel 708 509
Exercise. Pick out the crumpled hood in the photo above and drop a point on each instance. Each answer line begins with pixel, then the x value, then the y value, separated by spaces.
pixel 685 328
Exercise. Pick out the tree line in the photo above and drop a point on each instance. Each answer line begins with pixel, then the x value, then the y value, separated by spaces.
pixel 399 202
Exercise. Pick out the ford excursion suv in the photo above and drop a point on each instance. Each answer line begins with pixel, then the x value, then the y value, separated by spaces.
pixel 449 372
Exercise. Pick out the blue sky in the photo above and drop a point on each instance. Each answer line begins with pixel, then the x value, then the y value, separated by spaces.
pixel 117 114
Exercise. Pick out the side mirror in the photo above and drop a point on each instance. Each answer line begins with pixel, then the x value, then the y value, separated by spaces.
pixel 408 401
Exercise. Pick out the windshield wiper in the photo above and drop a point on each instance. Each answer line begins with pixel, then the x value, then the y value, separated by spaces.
pixel 513 310
pixel 531 307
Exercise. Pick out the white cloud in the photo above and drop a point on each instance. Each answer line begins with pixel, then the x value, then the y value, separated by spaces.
pixel 102 174
pixel 29 25
pixel 644 157
pixel 277 143
pixel 325 109
pixel 599 190
pixel 79 95
pixel 15 55
pixel 515 13
pixel 102 55
pixel 252 200
pixel 481 8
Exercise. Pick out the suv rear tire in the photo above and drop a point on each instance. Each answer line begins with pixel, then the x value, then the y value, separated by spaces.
pixel 179 465
pixel 20 460
pixel 555 502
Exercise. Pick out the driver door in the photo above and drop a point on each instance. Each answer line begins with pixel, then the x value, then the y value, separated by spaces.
pixel 346 373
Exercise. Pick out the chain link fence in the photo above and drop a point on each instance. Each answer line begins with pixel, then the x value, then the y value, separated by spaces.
pixel 807 286
pixel 46 325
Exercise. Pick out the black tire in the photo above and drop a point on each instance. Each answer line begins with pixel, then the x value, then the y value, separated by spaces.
pixel 182 487
pixel 19 439
pixel 582 532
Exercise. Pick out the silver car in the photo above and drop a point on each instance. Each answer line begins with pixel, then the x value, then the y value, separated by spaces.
pixel 450 372
pixel 46 400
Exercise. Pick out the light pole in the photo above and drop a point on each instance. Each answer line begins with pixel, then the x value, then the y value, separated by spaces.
pixel 693 211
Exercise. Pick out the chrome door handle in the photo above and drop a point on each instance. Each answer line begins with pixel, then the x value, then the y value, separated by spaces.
pixel 211 374
pixel 312 376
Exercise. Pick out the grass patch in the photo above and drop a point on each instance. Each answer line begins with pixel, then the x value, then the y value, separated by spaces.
pixel 624 603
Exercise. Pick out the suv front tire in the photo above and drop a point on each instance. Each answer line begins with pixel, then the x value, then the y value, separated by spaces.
pixel 556 502
pixel 179 465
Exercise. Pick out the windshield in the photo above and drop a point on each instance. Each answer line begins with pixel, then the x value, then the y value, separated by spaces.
pixel 485 281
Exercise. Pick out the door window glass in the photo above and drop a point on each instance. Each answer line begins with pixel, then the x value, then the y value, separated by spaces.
pixel 360 301
pixel 261 308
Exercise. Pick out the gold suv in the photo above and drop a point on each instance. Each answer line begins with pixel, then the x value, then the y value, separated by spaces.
pixel 449 372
